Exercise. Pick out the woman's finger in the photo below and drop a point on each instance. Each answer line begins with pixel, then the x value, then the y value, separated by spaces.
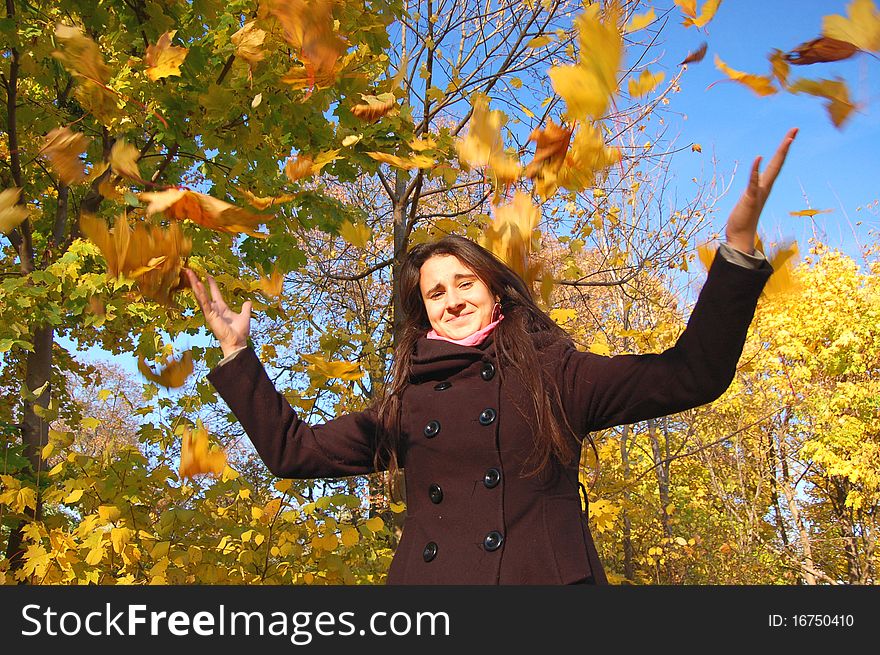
pixel 197 288
pixel 778 160
pixel 216 296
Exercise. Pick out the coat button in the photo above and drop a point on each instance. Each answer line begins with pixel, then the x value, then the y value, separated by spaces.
pixel 436 493
pixel 432 429
pixel 487 416
pixel 430 551
pixel 442 386
pixel 493 541
pixel 488 371
pixel 492 478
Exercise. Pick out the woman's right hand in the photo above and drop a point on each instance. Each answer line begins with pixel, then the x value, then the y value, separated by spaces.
pixel 230 328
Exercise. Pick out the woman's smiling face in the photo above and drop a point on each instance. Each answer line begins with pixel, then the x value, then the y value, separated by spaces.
pixel 457 302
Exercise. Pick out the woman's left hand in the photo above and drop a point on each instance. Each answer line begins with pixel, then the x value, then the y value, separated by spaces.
pixel 742 225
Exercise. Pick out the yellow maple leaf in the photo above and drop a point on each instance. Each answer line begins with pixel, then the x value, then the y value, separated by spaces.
pixel 11 213
pixel 645 83
pixel 247 42
pixel 309 26
pixel 357 234
pixel 321 370
pixel 587 87
pixel 511 235
pixel 707 12
pixel 483 139
pixel 350 536
pixel 123 160
pixel 210 212
pixel 415 161
pixel 760 84
pixel 173 372
pixel 783 259
pixel 82 58
pixel 640 21
pixel 688 7
pixel 861 26
pixel 64 149
pixel 375 107
pixel 164 59
pixel 839 105
pixel 810 212
pixel 587 158
pixel 197 457
pixel 600 345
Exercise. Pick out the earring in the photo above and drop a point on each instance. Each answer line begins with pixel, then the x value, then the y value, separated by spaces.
pixel 496 311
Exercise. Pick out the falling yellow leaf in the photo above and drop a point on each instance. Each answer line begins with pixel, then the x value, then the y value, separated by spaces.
pixel 707 12
pixel 321 370
pixel 264 202
pixel 247 42
pixel 646 82
pixel 511 235
pixel 123 160
pixel 696 147
pixel 271 285
pixel 782 259
pixel 164 59
pixel 375 107
pixel 357 234
pixel 483 139
pixel 197 457
pixel 706 254
pixel 11 213
pixel 810 212
pixel 760 84
pixel 210 212
pixel 152 256
pixel 839 105
pixel 308 25
pixel 861 26
pixel 172 374
pixel 82 58
pixel 416 161
pixel 780 67
pixel 64 149
pixel 640 21
pixel 299 167
pixel 587 87
pixel 587 158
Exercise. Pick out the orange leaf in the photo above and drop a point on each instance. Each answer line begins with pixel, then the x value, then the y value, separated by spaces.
pixel 164 59
pixel 152 256
pixel 308 26
pixel 760 84
pixel 64 149
pixel 299 168
pixel 688 7
pixel 587 157
pixel 173 373
pixel 181 204
pixel 696 56
pixel 839 105
pixel 810 212
pixel 822 49
pixel 196 455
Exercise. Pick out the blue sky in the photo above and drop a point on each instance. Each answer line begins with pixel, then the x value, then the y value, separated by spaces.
pixel 827 167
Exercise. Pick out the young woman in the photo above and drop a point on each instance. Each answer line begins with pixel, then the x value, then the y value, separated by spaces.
pixel 489 403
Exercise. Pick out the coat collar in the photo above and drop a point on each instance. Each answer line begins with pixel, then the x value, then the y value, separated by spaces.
pixel 439 359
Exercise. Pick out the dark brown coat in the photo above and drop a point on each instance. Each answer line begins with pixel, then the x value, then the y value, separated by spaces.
pixel 472 518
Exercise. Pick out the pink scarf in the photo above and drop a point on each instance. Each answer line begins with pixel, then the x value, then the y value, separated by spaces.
pixel 475 339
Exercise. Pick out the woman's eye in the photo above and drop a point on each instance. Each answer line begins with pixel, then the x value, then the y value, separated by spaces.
pixel 467 285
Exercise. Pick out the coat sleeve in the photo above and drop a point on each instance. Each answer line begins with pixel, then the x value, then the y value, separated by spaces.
pixel 289 446
pixel 600 392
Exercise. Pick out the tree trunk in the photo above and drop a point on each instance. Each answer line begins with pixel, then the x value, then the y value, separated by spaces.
pixel 629 569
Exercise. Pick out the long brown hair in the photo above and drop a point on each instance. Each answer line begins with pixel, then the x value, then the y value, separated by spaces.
pixel 515 339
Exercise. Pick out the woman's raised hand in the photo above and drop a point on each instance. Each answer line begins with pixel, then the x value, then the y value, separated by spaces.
pixel 230 328
pixel 742 225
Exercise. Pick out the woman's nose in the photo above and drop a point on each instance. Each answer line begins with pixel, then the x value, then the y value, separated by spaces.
pixel 453 301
